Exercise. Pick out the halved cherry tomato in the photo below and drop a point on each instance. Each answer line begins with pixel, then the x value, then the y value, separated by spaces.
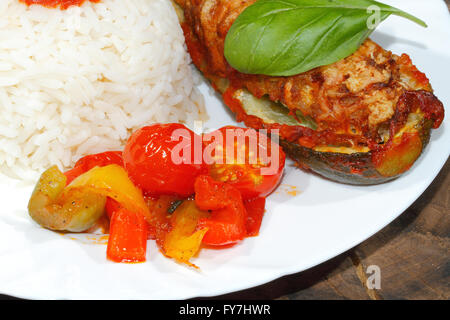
pixel 94 160
pixel 227 223
pixel 157 163
pixel 250 161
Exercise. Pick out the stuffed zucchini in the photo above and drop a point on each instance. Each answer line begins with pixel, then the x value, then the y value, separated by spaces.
pixel 362 120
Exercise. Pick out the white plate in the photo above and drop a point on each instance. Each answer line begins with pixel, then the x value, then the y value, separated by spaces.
pixel 299 231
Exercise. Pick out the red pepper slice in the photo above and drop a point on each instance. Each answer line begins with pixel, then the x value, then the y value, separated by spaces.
pixel 127 237
pixel 94 160
pixel 227 223
pixel 209 194
pixel 111 206
pixel 255 213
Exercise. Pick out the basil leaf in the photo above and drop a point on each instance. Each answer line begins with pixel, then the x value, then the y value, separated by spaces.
pixel 288 37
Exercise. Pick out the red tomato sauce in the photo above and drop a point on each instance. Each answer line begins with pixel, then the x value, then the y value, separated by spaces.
pixel 62 4
pixel 195 48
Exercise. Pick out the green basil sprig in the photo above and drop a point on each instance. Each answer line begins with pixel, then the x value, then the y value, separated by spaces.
pixel 288 37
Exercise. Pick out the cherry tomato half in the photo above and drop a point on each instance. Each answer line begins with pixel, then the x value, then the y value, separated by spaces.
pixel 250 161
pixel 160 159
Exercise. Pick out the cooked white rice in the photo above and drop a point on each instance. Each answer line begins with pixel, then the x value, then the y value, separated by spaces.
pixel 79 81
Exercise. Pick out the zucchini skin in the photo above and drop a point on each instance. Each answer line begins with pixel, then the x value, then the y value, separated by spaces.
pixel 353 169
pixel 336 166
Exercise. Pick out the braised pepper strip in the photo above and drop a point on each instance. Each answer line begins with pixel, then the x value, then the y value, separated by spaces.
pixel 209 194
pixel 112 181
pixel 227 223
pixel 55 208
pixel 255 212
pixel 95 160
pixel 184 239
pixel 127 237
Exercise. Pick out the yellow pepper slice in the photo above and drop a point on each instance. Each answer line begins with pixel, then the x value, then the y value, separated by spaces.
pixel 183 241
pixel 112 181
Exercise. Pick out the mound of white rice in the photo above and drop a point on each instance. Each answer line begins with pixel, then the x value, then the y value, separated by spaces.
pixel 79 81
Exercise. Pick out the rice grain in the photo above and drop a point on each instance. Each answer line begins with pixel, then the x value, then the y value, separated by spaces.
pixel 79 81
